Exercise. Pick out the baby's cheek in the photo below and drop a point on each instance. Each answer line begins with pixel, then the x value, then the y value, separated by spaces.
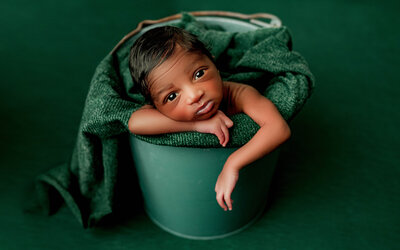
pixel 180 114
pixel 185 115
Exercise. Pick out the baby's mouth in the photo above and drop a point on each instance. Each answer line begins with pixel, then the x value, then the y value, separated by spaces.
pixel 205 108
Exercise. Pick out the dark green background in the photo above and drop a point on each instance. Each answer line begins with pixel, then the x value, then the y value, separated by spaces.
pixel 337 184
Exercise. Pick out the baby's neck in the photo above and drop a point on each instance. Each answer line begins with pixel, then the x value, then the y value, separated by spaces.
pixel 225 105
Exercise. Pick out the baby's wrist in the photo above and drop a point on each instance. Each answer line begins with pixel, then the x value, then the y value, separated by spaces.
pixel 231 165
pixel 199 126
pixel 195 126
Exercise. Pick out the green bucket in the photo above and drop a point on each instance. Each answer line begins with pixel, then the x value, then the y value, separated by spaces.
pixel 178 182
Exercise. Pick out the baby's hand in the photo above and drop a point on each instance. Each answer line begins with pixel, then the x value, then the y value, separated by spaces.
pixel 217 125
pixel 224 187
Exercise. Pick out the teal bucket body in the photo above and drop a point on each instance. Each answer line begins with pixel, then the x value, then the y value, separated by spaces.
pixel 178 189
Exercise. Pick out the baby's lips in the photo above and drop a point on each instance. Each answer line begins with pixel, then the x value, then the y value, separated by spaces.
pixel 205 108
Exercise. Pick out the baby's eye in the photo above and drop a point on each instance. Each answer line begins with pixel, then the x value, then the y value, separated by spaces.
pixel 171 97
pixel 199 74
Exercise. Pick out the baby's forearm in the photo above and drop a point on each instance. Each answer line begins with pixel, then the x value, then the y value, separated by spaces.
pixel 148 121
pixel 263 142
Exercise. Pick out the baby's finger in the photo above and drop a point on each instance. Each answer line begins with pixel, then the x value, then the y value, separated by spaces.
pixel 228 200
pixel 228 122
pixel 226 135
pixel 220 200
pixel 221 137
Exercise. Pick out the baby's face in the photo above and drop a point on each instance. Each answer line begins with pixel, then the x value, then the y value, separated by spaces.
pixel 186 87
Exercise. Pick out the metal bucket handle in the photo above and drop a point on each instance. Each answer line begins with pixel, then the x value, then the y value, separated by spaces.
pixel 274 22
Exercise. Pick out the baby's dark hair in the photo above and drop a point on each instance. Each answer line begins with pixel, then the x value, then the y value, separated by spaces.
pixel 154 47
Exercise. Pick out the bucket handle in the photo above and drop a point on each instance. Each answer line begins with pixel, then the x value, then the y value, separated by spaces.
pixel 274 22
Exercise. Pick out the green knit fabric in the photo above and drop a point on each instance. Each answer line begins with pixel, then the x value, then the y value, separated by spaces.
pixel 88 183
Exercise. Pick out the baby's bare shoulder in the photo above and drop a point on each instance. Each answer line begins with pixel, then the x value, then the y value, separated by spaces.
pixel 237 89
pixel 236 94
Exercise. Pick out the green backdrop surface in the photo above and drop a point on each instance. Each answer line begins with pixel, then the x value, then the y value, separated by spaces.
pixel 337 182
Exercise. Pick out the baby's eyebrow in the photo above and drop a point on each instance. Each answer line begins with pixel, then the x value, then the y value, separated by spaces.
pixel 163 89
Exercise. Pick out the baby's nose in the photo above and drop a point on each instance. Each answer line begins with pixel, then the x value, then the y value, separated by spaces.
pixel 194 96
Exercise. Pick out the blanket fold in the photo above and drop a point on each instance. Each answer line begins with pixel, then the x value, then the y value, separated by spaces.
pixel 89 182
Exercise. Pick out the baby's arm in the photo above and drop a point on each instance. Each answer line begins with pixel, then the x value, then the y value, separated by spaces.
pixel 273 131
pixel 149 121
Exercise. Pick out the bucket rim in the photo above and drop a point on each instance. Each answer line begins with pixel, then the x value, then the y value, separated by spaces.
pixel 256 18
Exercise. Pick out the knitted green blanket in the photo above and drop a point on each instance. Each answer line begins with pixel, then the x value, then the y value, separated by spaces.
pixel 92 182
